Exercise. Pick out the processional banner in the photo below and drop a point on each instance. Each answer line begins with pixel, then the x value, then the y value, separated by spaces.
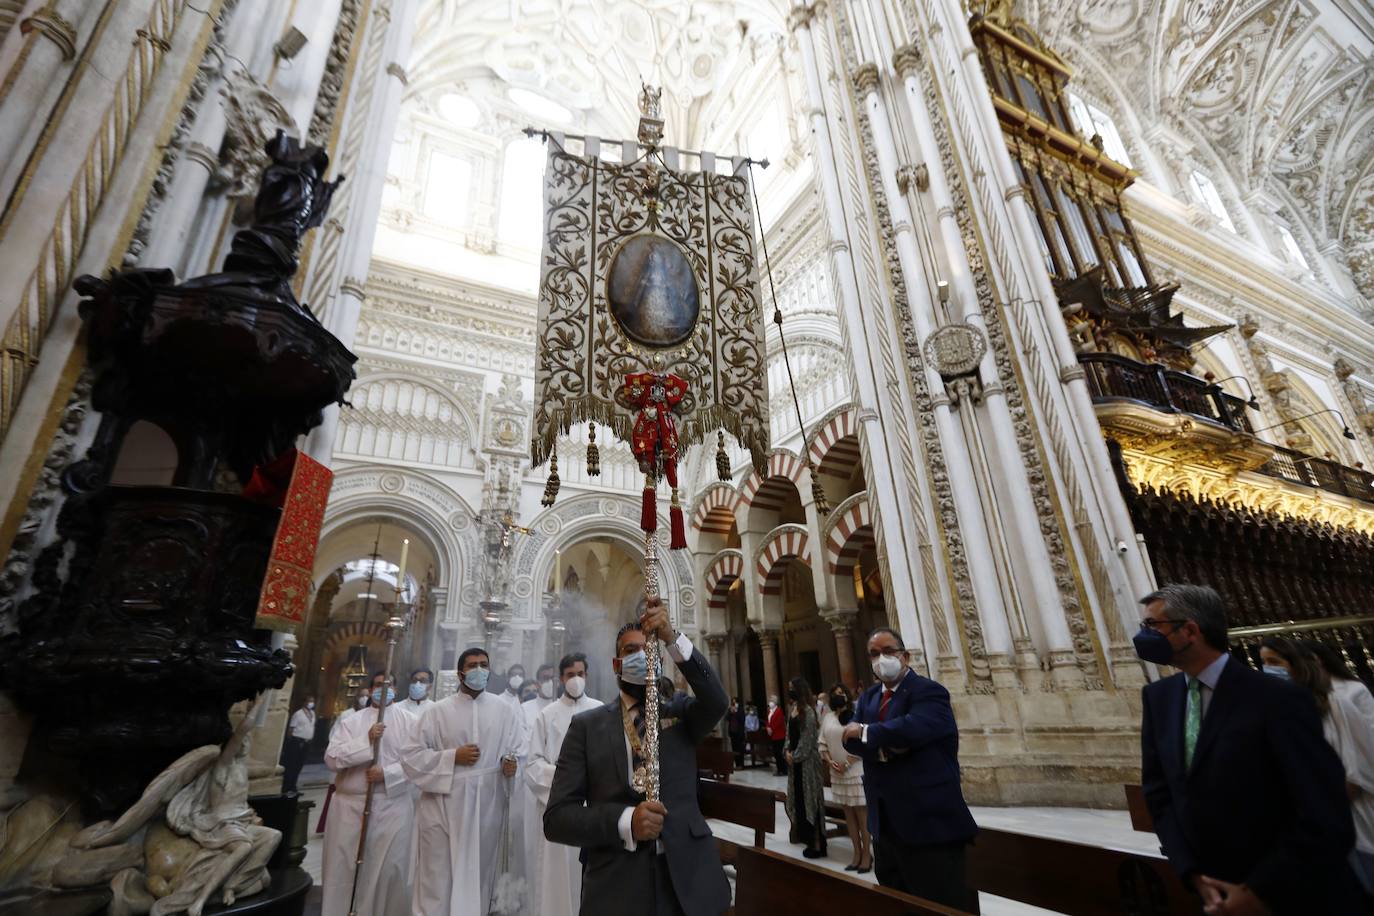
pixel 649 273
pixel 300 486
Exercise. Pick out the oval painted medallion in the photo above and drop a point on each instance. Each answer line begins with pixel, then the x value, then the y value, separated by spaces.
pixel 652 292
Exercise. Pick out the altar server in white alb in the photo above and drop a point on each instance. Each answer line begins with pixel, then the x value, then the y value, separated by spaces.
pixel 555 870
pixel 462 756
pixel 384 882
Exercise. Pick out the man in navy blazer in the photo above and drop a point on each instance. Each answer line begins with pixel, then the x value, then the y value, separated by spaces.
pixel 904 729
pixel 1247 797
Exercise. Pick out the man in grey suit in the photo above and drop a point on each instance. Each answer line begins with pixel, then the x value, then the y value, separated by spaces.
pixel 641 858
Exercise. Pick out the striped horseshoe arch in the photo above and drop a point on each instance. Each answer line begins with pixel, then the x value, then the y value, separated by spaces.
pixel 715 511
pixel 725 568
pixel 850 531
pixel 784 543
pixel 769 492
pixel 834 447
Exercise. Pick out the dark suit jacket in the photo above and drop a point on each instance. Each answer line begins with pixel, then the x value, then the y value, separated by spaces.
pixel 1264 802
pixel 591 789
pixel 911 764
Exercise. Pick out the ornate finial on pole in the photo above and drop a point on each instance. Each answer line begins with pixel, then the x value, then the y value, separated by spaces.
pixel 650 115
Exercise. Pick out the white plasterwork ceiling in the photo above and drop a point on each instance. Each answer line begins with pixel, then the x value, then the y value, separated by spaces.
pixel 589 56
pixel 1279 92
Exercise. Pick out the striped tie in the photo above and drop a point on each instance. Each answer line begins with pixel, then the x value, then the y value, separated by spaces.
pixel 882 705
pixel 1192 722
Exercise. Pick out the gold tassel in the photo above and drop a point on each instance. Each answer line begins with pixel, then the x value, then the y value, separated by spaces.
pixel 722 458
pixel 817 491
pixel 593 453
pixel 551 487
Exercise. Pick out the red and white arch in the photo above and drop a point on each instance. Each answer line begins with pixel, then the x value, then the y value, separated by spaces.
pixel 834 447
pixel 724 568
pixel 849 531
pixel 786 542
pixel 770 491
pixel 715 511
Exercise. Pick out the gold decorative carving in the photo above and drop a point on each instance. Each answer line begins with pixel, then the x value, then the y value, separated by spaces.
pixel 1180 437
pixel 52 26
pixel 1247 489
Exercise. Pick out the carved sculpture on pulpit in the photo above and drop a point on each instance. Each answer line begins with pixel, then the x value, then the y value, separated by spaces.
pixel 145 624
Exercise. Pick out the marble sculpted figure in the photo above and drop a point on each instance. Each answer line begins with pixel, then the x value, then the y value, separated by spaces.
pixel 213 845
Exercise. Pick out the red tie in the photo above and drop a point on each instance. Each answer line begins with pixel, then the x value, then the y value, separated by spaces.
pixel 882 706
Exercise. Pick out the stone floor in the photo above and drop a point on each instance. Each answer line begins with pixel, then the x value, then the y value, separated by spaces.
pixel 1111 829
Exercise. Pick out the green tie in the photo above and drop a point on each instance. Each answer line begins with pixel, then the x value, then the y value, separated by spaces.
pixel 1192 723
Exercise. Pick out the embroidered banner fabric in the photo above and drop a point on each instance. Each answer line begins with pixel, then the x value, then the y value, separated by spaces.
pixel 285 592
pixel 641 260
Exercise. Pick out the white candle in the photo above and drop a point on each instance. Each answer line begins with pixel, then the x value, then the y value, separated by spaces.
pixel 557 571
pixel 401 570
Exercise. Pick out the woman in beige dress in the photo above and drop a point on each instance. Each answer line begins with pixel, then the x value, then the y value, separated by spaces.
pixel 846 778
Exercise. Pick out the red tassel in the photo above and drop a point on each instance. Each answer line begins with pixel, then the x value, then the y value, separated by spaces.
pixel 648 511
pixel 679 529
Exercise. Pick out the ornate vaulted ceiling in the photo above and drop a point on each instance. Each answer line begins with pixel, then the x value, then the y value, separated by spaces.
pixel 1278 93
pixel 590 55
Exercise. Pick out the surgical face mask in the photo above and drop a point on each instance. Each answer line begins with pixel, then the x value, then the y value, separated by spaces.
pixel 546 689
pixel 1278 671
pixel 362 700
pixel 575 687
pixel 418 691
pixel 634 669
pixel 309 705
pixel 1153 646
pixel 515 682
pixel 377 696
pixel 887 667
pixel 476 678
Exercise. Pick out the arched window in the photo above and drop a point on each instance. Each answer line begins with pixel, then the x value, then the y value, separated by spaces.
pixel 520 217
pixel 1290 247
pixel 1092 120
pixel 1206 193
pixel 448 188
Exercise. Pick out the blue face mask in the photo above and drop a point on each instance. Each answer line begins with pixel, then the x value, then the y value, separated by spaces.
pixel 634 669
pixel 377 696
pixel 1153 646
pixel 476 679
pixel 418 691
pixel 1278 671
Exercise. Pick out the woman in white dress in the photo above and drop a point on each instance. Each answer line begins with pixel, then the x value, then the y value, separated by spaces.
pixel 846 778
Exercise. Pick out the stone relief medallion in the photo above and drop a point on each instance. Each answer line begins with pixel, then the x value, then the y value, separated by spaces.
pixel 652 292
pixel 955 349
pixel 610 508
pixel 551 525
pixel 459 521
pixel 506 432
pixel 523 588
pixel 391 483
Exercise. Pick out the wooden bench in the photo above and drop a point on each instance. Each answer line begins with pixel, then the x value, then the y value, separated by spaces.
pixel 752 808
pixel 715 763
pixel 1140 811
pixel 1074 877
pixel 768 883
pixel 1053 874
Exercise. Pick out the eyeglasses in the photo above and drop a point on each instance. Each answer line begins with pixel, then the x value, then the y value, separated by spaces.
pixel 1150 623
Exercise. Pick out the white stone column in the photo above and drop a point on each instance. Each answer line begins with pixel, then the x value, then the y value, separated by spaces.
pixel 369 176
pixel 46 47
pixel 983 567
pixel 965 89
pixel 873 396
pixel 1031 549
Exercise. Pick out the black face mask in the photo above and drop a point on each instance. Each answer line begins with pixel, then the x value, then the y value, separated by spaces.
pixel 837 703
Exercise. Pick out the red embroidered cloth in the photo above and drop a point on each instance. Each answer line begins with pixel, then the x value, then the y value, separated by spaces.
pixel 285 592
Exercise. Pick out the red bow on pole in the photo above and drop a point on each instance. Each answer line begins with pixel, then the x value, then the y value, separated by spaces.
pixel 654 443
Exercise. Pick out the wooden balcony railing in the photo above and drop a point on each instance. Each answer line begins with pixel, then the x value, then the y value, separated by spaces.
pixel 1322 473
pixel 1112 377
pixel 1118 378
